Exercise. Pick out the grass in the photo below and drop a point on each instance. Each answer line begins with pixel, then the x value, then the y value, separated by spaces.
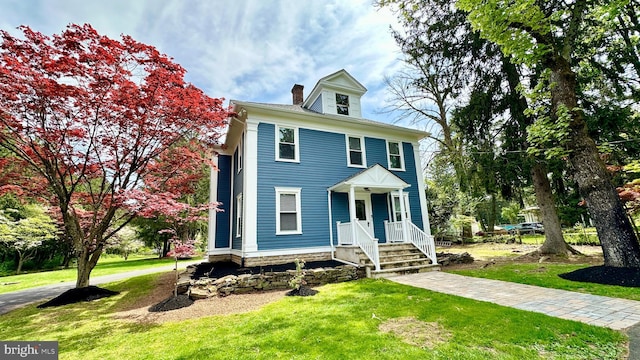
pixel 546 275
pixel 107 265
pixel 341 322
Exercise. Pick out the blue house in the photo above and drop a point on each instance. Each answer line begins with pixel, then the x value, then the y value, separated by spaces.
pixel 314 180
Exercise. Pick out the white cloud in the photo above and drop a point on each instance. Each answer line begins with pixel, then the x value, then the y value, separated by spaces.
pixel 244 49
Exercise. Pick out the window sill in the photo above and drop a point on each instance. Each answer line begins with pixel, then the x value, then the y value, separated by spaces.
pixel 289 233
pixel 288 160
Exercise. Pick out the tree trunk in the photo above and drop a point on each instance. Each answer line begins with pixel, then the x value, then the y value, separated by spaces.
pixel 491 218
pixel 86 262
pixel 619 243
pixel 20 263
pixel 554 241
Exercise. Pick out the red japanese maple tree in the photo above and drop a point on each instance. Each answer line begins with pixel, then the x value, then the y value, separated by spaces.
pixel 109 126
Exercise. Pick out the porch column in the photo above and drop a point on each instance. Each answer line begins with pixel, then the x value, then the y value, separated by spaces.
pixel 403 216
pixel 352 212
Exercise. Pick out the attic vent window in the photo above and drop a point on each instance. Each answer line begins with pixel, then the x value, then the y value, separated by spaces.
pixel 342 104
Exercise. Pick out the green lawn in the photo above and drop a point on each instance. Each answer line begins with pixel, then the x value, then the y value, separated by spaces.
pixel 341 322
pixel 107 265
pixel 546 275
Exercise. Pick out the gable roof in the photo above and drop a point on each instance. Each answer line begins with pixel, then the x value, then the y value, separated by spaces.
pixel 375 179
pixel 340 80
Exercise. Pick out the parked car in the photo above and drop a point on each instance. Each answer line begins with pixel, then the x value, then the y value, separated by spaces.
pixel 529 228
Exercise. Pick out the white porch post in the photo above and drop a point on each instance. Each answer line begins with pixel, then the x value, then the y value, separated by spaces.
pixel 403 216
pixel 352 212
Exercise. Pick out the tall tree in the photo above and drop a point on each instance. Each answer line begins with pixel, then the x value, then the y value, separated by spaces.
pixel 480 86
pixel 24 234
pixel 545 34
pixel 92 117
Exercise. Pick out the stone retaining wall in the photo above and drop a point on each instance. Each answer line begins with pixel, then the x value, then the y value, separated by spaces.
pixel 241 284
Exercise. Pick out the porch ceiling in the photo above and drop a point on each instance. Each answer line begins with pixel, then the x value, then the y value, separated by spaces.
pixel 375 179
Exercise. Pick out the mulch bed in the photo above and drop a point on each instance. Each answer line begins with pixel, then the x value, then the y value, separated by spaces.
pixel 172 303
pixel 221 269
pixel 78 295
pixel 607 275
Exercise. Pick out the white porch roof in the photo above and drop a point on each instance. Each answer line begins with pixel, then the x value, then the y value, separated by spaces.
pixel 375 179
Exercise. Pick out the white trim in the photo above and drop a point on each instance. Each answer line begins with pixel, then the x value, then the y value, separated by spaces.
pixel 239 215
pixel 293 251
pixel 362 150
pixel 401 150
pixel 220 251
pixel 329 123
pixel 424 209
pixel 250 189
pixel 296 143
pixel 289 191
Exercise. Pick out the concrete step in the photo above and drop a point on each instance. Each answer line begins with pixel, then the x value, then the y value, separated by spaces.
pixel 396 257
pixel 404 263
pixel 385 273
pixel 395 247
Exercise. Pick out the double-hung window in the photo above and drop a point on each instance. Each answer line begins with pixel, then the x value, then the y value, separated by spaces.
pixel 342 104
pixel 239 212
pixel 287 144
pixel 288 216
pixel 394 152
pixel 355 151
pixel 240 153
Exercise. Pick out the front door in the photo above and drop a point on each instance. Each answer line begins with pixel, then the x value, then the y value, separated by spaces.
pixel 364 213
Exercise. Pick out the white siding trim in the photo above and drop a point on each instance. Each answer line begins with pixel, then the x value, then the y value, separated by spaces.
pixel 294 251
pixel 421 189
pixel 250 191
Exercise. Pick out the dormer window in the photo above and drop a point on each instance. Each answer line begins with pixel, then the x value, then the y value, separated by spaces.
pixel 342 104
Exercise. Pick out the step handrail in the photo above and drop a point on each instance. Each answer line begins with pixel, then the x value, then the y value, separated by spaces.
pixel 423 242
pixel 367 243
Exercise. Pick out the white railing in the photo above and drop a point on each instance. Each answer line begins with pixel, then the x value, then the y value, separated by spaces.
pixel 425 243
pixel 345 234
pixel 393 231
pixel 363 239
pixel 422 241
pixel 368 244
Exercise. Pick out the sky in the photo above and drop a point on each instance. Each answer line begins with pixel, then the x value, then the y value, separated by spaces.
pixel 250 50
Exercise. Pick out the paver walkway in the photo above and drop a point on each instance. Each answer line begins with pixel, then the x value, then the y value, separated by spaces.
pixel 613 313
